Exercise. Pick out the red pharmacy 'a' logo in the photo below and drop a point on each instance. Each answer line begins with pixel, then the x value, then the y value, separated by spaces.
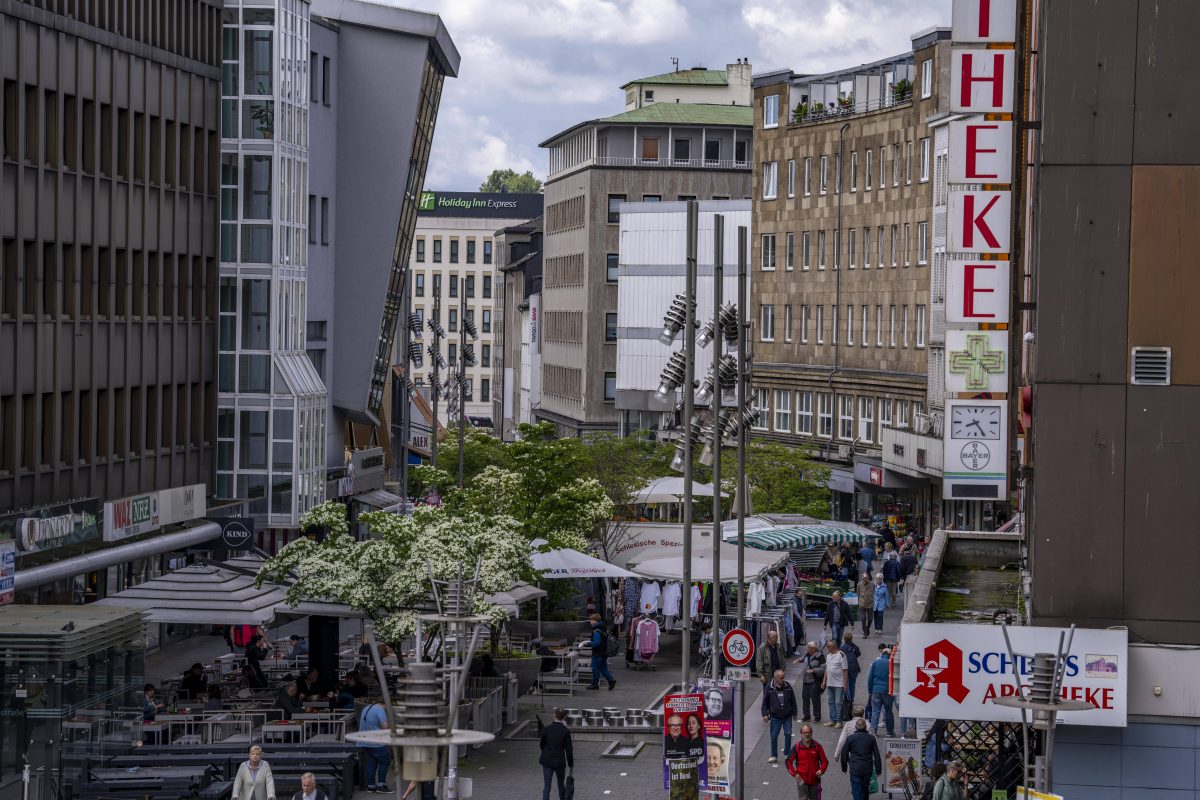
pixel 943 669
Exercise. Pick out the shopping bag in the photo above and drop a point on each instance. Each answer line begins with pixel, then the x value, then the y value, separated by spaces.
pixel 847 709
pixel 874 784
pixel 569 787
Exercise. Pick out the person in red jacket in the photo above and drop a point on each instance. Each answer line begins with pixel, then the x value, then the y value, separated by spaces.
pixel 807 763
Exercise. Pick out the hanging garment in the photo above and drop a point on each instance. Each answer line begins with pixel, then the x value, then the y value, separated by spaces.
pixel 632 597
pixel 670 599
pixel 651 592
pixel 647 638
pixel 755 597
pixel 789 579
pixel 694 604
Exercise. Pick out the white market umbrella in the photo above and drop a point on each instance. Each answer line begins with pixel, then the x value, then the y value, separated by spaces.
pixel 568 564
pixel 670 490
pixel 670 568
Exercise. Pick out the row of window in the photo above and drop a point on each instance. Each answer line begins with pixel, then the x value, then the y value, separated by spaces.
pixel 873 414
pixel 485 323
pixel 894 247
pixel 901 169
pixel 681 150
pixel 898 334
pixel 454 250
pixel 770 103
pixel 468 285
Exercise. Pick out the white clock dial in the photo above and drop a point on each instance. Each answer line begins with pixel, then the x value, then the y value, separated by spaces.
pixel 975 422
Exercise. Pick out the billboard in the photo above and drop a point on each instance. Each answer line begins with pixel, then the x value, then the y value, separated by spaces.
pixel 684 767
pixel 480 205
pixel 143 513
pixel 718 734
pixel 952 671
pixel 36 530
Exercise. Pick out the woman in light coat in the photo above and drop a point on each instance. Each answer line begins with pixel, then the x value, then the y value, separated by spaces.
pixel 254 780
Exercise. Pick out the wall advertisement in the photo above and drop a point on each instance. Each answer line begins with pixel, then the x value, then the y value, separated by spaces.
pixel 684 767
pixel 951 671
pixel 39 529
pixel 718 733
pixel 144 513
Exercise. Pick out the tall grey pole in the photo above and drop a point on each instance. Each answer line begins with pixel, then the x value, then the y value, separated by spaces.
pixel 689 375
pixel 718 345
pixel 743 377
pixel 436 389
pixel 462 377
pixel 405 403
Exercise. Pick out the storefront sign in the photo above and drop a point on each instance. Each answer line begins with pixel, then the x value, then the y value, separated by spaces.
pixel 236 532
pixel 901 764
pixel 718 734
pixel 8 571
pixel 982 81
pixel 952 671
pixel 40 529
pixel 980 222
pixel 182 503
pixel 980 152
pixel 494 205
pixel 876 475
pixel 684 767
pixel 365 470
pixel 133 516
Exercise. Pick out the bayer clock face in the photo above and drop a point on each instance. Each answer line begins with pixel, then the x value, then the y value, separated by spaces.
pixel 975 422
pixel 975 456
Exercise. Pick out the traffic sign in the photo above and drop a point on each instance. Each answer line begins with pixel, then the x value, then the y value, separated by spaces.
pixel 738 647
pixel 737 673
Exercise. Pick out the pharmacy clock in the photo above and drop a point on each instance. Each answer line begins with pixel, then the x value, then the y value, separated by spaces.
pixel 975 456
pixel 975 422
pixel 976 450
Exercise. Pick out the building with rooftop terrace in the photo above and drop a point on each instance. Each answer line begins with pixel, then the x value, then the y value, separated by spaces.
pixel 696 85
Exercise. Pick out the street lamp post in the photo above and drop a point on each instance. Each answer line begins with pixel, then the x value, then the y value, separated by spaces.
pixel 717 433
pixel 462 378
pixel 742 379
pixel 689 352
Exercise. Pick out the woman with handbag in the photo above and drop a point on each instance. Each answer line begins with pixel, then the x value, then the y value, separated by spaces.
pixel 254 780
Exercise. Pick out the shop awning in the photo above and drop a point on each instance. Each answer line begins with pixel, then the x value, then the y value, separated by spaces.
pixel 801 537
pixel 202 595
pixel 567 563
pixel 380 498
pixel 670 568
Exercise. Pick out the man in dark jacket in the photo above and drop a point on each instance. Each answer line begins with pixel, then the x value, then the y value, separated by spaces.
pixel 600 654
pixel 769 657
pixel 193 684
pixel 837 616
pixel 779 708
pixel 860 756
pixel 853 654
pixel 908 567
pixel 812 665
pixel 891 575
pixel 557 756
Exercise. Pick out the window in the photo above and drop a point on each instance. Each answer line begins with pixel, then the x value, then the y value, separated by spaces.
pixel 807 176
pixel 820 249
pixel 833 329
pixel 614 207
pixel 820 324
pixel 487 287
pixel 895 243
pixel 866 248
pixel 787 322
pixel 420 249
pixel 712 152
pixel 870 172
pixel 312 227
pixel 683 150
pixel 454 251
pixel 883 166
pixel 896 164
pixel 879 242
pixel 420 287
pixel 850 325
pixel 892 327
pixel 610 326
pixel 846 417
pixel 454 286
pixel 854 171
pixel 885 412
pixel 487 251
pixel 469 389
pixel 325 81
pixel 825 414
pixel 790 255
pixel 865 332
pixel 783 410
pixel 922 242
pixel 437 251
pixel 650 148
pixel 866 419
pixel 471 251
pixel 650 95
pixel 485 355
pixel 771 111
pixel 925 159
pixel 769 176
pixel 610 386
pixel 907 245
pixel 908 153
pixel 487 320
pixel 804 324
pixel 837 173
pixel 762 403
pixel 470 281
pixel 652 198
pixel 927 78
pixel 485 390
pixel 612 264
pixel 325 220
pixel 804 412
pixel 824 174
pixel 920 326
pixel 768 252
pixel 901 413
pixel 904 341
pixel 792 178
pixel 805 250
pixel 767 323
pixel 837 249
pixel 739 153
pixel 453 327
pixel 853 251
pixel 879 326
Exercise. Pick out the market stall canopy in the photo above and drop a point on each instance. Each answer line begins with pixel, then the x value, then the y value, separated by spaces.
pixel 521 592
pixel 670 490
pixel 670 568
pixel 202 595
pixel 566 563
pixel 802 537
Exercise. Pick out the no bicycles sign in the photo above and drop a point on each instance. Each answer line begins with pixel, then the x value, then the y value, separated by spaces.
pixel 738 647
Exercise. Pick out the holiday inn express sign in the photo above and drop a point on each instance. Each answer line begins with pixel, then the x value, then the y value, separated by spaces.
pixel 952 671
pixel 499 205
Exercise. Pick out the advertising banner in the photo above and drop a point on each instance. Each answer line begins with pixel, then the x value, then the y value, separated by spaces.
pixel 718 732
pixel 36 530
pixel 8 572
pixel 684 768
pixel 901 762
pixel 133 516
pixel 181 504
pixel 951 671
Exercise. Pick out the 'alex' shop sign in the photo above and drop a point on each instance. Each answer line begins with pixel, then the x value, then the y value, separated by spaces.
pixel 950 671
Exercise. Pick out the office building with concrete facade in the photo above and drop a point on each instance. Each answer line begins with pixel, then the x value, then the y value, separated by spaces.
pixel 843 199
pixel 517 373
pixel 658 151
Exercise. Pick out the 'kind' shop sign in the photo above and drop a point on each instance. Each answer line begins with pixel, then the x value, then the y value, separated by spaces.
pixel 951 671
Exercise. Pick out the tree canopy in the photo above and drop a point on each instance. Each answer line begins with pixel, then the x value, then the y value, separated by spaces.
pixel 782 478
pixel 507 180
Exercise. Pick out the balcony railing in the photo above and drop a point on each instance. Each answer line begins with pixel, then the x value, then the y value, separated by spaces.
pixel 817 113
pixel 692 163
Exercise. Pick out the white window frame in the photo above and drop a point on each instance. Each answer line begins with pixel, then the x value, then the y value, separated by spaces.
pixel 896 164
pixel 908 157
pixel 895 242
pixel 880 244
pixel 833 329
pixel 824 174
pixel 767 252
pixel 807 176
pixel 867 247
pixel 820 324
pixel 804 413
pixel 883 166
pixel 866 419
pixel 853 247
pixel 824 415
pixel 782 412
pixel 806 251
pixel 907 244
pixel 885 412
pixel 870 174
pixel 845 429
pixel 925 160
pixel 770 177
pixel 850 325
pixel 879 326
pixel 921 320
pixel 854 171
pixel 766 322
pixel 771 111
pixel 892 328
pixel 865 337
pixel 804 318
pixel 904 341
pixel 927 78
pixel 787 322
pixel 901 414
pixel 762 400
pixel 791 177
pixel 922 243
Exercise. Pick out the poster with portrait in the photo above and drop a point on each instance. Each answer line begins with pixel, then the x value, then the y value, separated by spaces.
pixel 901 760
pixel 684 770
pixel 718 733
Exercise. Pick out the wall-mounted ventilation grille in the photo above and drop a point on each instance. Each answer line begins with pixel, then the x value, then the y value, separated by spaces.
pixel 1152 366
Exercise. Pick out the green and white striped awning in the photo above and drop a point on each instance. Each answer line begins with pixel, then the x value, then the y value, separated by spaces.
pixel 802 537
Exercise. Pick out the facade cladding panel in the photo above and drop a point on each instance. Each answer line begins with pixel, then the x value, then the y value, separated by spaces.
pixel 1115 463
pixel 108 250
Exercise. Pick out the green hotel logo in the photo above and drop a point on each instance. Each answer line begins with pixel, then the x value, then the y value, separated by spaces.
pixel 427 202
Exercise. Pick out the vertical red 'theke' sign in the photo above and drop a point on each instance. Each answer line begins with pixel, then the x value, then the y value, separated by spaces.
pixel 984 20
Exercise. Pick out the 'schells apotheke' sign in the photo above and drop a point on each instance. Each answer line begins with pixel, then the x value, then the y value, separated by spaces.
pixel 950 671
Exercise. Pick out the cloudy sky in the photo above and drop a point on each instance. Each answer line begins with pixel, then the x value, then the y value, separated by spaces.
pixel 531 68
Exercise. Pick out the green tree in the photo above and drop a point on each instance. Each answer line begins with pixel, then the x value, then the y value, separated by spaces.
pixel 622 466
pixel 782 479
pixel 507 180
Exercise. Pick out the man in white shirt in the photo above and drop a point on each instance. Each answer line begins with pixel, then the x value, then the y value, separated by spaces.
pixel 834 682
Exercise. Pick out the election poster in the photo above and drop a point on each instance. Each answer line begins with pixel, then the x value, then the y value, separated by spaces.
pixel 718 734
pixel 684 769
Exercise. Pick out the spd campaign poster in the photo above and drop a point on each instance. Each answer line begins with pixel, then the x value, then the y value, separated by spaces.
pixel 718 735
pixel 684 769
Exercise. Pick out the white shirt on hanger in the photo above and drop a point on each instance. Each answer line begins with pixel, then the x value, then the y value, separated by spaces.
pixel 694 604
pixel 670 599
pixel 651 592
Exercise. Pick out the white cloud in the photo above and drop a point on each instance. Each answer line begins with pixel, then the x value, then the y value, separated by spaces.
pixel 628 22
pixel 490 70
pixel 467 147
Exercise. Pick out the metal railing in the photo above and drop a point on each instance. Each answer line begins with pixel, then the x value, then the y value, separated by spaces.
pixel 694 163
pixel 825 113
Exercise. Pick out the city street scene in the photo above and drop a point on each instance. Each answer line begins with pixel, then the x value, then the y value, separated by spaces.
pixel 632 399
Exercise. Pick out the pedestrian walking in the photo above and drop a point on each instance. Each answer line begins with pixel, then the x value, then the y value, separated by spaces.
pixel 866 559
pixel 834 682
pixel 254 780
pixel 866 602
pixel 379 757
pixel 848 729
pixel 880 688
pixel 837 616
pixel 880 601
pixel 799 603
pixel 600 654
pixel 557 756
pixel 853 654
pixel 309 789
pixel 950 786
pixel 812 665
pixel 779 709
pixel 891 575
pixel 807 763
pixel 908 567
pixel 770 657
pixel 860 758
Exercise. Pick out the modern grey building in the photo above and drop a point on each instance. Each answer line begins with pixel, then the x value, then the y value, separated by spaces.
pixel 517 366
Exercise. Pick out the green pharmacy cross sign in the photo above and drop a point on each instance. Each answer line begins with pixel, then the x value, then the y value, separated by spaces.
pixel 975 360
